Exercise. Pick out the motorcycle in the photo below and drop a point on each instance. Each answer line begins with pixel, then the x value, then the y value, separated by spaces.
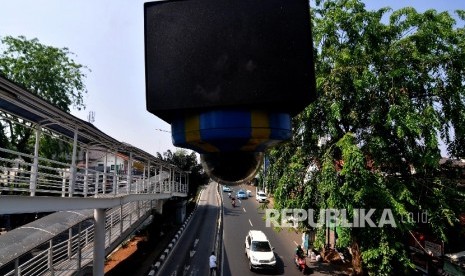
pixel 300 263
pixel 233 202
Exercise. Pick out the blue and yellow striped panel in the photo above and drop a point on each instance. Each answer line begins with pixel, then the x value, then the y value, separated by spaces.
pixel 231 130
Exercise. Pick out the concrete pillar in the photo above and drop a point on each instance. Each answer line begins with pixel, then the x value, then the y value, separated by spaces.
pixel 159 206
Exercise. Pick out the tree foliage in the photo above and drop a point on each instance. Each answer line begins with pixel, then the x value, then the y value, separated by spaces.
pixel 46 71
pixel 187 162
pixel 388 90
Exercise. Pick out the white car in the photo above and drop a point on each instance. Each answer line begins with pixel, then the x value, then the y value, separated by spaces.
pixel 259 251
pixel 261 197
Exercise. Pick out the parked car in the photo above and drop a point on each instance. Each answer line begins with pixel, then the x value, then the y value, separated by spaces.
pixel 241 195
pixel 261 197
pixel 226 189
pixel 259 251
pixel 249 193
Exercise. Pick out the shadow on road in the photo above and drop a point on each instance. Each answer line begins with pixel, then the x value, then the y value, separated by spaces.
pixel 232 211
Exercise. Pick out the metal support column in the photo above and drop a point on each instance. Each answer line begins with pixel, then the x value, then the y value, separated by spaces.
pixel 160 183
pixel 72 177
pixel 70 243
pixel 148 183
pixel 50 258
pixel 147 180
pixel 35 164
pixel 129 174
pixel 105 173
pixel 121 221
pixel 97 176
pixel 143 182
pixel 86 176
pixel 187 184
pixel 63 182
pixel 115 175
pixel 99 242
pixel 79 248
pixel 170 180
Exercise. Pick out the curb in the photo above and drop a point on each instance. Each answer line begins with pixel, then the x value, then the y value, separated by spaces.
pixel 218 238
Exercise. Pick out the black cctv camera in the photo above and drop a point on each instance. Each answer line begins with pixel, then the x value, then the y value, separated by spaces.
pixel 228 75
pixel 232 167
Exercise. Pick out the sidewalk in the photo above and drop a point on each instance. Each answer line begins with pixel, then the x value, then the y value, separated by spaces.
pixel 323 268
pixel 137 258
pixel 327 269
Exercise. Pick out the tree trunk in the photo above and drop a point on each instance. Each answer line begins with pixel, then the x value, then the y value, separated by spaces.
pixel 356 258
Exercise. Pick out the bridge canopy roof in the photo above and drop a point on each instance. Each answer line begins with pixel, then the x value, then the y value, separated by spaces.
pixel 29 236
pixel 18 101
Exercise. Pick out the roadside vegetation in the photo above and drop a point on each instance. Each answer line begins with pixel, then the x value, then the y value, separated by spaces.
pixel 391 87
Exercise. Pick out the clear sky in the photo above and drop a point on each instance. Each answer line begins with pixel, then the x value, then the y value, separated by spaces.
pixel 108 37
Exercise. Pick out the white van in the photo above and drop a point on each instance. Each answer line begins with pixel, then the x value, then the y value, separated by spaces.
pixel 259 251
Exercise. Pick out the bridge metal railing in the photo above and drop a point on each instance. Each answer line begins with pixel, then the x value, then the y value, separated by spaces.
pixel 72 251
pixel 68 253
pixel 94 170
pixel 53 179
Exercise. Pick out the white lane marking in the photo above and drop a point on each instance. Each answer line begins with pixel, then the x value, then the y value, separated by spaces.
pixel 295 243
pixel 250 223
pixel 192 253
pixel 196 242
pixel 244 210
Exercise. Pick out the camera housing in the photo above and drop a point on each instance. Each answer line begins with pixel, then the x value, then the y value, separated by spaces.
pixel 232 167
pixel 228 75
pixel 231 142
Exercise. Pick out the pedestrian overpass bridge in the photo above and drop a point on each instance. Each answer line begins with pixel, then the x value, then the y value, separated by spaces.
pixel 98 191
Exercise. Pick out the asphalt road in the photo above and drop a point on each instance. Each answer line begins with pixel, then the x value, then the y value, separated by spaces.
pixel 247 216
pixel 191 252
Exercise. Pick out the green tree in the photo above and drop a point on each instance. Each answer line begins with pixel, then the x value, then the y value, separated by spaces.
pixel 187 162
pixel 387 92
pixel 46 71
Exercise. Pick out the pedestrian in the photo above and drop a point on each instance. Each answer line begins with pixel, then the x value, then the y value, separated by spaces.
pixel 305 242
pixel 212 262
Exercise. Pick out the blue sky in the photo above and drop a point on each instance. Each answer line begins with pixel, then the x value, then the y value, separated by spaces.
pixel 108 37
